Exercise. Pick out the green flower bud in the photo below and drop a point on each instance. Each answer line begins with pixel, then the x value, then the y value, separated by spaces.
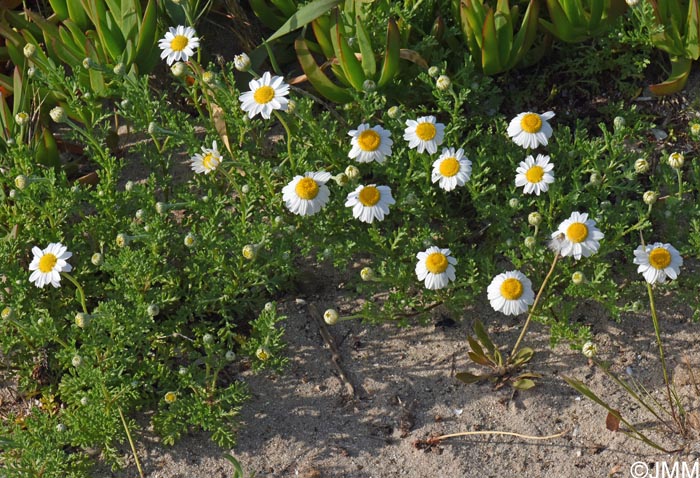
pixel 589 350
pixel 29 50
pixel 331 316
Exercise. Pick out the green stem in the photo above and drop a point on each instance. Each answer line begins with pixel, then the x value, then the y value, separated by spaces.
pixel 131 442
pixel 289 140
pixel 79 287
pixel 657 331
pixel 534 306
pixel 680 183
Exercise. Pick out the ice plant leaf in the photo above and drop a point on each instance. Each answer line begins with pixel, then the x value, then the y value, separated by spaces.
pixel 321 27
pixel 468 378
pixel 316 77
pixel 146 56
pixel 680 69
pixel 369 64
pixel 346 57
pixel 523 384
pixel 304 15
pixel 392 53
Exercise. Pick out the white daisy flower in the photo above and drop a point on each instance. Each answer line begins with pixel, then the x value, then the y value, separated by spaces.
pixel 306 195
pixel 451 169
pixel 48 264
pixel 266 94
pixel 535 174
pixel 578 236
pixel 511 293
pixel 530 130
pixel 424 133
pixel 370 202
pixel 370 144
pixel 436 267
pixel 178 44
pixel 206 161
pixel 658 261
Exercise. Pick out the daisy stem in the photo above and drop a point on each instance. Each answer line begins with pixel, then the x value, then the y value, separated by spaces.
pixel 131 442
pixel 680 183
pixel 657 331
pixel 79 287
pixel 289 141
pixel 534 306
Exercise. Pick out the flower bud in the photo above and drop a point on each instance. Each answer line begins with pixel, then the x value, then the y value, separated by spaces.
pixel 170 397
pixel 230 356
pixel 209 78
pixel 153 310
pixel 341 179
pixel 161 207
pixel 21 118
pixel 641 166
pixel 7 313
pixel 619 122
pixel 514 203
pixel 31 71
pixel 82 320
pixel 139 214
pixel 122 240
pixel 88 63
pixel 443 82
pixel 58 114
pixel 394 112
pixel 129 186
pixel 650 197
pixel 369 86
pixel 241 62
pixel 269 307
pixel 249 251
pixel 60 428
pixel 189 240
pixel 632 3
pixel 676 160
pixel 589 349
pixel 433 71
pixel 530 242
pixel 21 182
pixel 29 50
pixel 208 339
pixel 263 353
pixel 152 127
pixel 119 69
pixel 331 316
pixel 352 172
pixel 596 179
pixel 291 106
pixel 695 129
pixel 578 278
pixel 84 401
pixel 534 218
pixel 367 274
pixel 77 361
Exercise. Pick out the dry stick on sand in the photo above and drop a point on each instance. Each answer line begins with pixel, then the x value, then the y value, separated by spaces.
pixel 435 440
pixel 335 354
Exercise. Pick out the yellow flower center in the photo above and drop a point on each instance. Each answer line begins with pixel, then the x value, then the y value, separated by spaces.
pixel 511 289
pixel 534 174
pixel 369 140
pixel 577 232
pixel 425 131
pixel 436 263
pixel 179 43
pixel 170 397
pixel 264 94
pixel 209 161
pixel 47 262
pixel 449 167
pixel 307 188
pixel 531 123
pixel 369 196
pixel 659 258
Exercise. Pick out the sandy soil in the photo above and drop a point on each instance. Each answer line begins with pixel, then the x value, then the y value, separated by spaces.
pixel 306 422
